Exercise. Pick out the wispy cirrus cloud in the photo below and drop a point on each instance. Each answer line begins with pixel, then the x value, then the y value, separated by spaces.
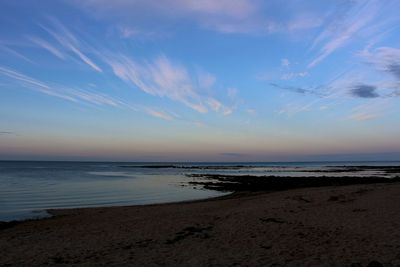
pixel 385 59
pixel 134 32
pixel 217 106
pixel 32 83
pixel 67 40
pixel 164 78
pixel 361 20
pixel 47 46
pixel 294 75
pixel 69 94
pixel 384 66
pixel 373 109
pixel 363 116
pixel 306 21
pixel 15 53
pixel 287 71
pixel 285 62
pixel 357 83
pixel 128 32
pixel 97 98
pixel 292 109
pixel 84 96
pixel 231 9
pixel 225 16
pixel 342 89
pixel 159 114
pixel 160 77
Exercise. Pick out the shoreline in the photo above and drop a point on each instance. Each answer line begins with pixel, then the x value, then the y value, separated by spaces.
pixel 242 185
pixel 331 225
pixel 54 212
pixel 323 176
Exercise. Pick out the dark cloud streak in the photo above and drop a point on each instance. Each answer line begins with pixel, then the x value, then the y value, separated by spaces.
pixel 364 91
pixel 7 133
pixel 394 69
pixel 298 90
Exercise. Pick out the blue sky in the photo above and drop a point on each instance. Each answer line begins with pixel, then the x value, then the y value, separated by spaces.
pixel 186 80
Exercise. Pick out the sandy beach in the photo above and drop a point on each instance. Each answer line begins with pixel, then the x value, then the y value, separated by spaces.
pixel 355 225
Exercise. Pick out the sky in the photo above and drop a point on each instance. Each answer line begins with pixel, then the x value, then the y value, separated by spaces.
pixel 200 80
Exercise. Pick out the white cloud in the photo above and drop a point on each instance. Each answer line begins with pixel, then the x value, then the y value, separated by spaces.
pixel 160 78
pixel 292 109
pixel 234 9
pixel 285 62
pixel 22 78
pixel 370 110
pixel 219 107
pixel 293 75
pixel 358 19
pixel 15 53
pixel 47 46
pixel 363 116
pixel 304 22
pixel 163 78
pixel 69 94
pixel 66 39
pixel 385 59
pixel 85 59
pixel 127 32
pixel 227 111
pixel 214 104
pixel 159 114
pixel 222 15
pixel 205 79
pixel 226 16
pixel 95 98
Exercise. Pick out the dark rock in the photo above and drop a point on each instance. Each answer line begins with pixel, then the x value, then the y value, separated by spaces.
pixel 248 183
pixel 375 264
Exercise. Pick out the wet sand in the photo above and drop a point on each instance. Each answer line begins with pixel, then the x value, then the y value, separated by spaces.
pixel 351 225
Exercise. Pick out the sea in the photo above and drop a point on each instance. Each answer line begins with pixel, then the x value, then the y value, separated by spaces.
pixel 29 188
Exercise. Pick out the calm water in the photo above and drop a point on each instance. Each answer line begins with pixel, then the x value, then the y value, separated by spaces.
pixel 29 188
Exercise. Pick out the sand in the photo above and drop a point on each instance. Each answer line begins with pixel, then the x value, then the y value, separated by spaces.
pixel 326 226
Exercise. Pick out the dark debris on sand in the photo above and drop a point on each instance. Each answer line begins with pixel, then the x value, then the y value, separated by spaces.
pixel 5 225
